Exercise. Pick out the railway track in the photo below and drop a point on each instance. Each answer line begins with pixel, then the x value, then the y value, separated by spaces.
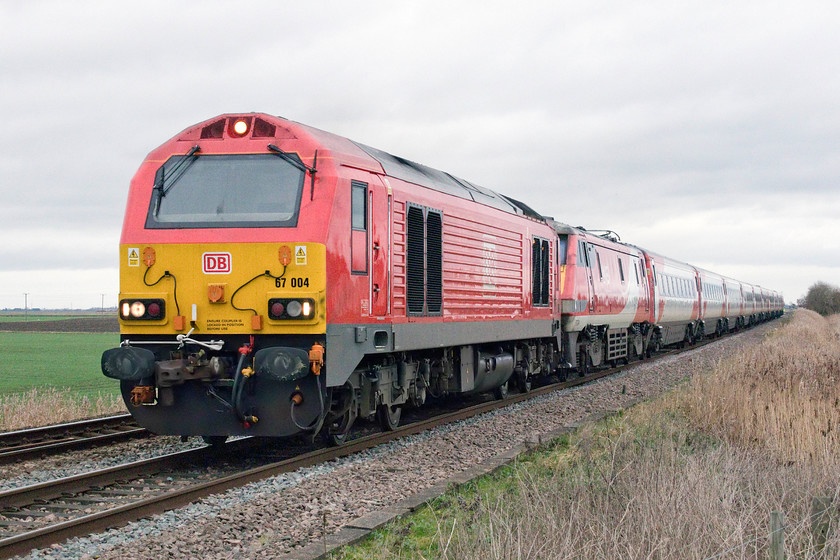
pixel 48 440
pixel 39 515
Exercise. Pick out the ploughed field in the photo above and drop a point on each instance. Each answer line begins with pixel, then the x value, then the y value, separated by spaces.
pixel 70 324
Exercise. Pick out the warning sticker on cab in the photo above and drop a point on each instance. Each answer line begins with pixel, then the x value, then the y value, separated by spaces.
pixel 133 256
pixel 300 254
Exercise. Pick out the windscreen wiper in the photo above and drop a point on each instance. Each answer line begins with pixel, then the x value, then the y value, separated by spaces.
pixel 176 173
pixel 288 157
pixel 300 165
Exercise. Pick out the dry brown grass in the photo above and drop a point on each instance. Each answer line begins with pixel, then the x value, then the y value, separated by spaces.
pixel 694 475
pixel 40 407
pixel 642 487
pixel 780 396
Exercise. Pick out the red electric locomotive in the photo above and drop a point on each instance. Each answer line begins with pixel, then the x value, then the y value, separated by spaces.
pixel 606 301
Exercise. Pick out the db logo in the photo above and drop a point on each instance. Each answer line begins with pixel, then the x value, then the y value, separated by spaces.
pixel 216 263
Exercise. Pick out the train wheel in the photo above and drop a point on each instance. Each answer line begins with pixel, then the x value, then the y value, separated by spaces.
pixel 523 382
pixel 596 352
pixel 583 362
pixel 214 441
pixel 655 345
pixel 388 416
pixel 687 339
pixel 338 430
pixel 637 346
pixel 339 425
pixel 501 392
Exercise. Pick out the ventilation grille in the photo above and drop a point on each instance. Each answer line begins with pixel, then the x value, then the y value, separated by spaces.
pixel 536 276
pixel 415 260
pixel 544 273
pixel 434 264
pixel 540 271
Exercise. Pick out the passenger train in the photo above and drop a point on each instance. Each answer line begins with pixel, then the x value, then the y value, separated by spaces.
pixel 276 279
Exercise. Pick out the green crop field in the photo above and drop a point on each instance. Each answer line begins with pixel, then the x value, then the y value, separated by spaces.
pixel 59 360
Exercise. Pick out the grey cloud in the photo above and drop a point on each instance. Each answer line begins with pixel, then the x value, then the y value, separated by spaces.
pixel 585 111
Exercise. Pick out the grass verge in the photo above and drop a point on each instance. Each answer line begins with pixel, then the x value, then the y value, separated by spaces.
pixel 54 377
pixel 694 474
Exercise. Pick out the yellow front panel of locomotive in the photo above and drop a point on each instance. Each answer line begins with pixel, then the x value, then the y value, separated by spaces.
pixel 221 287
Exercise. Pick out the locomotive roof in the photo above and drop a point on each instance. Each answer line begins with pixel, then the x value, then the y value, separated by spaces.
pixel 441 181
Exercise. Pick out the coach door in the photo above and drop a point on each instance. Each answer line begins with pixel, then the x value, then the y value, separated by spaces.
pixel 590 262
pixel 379 205
pixel 638 264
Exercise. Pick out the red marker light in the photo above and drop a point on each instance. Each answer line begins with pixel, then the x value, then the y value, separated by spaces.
pixel 277 309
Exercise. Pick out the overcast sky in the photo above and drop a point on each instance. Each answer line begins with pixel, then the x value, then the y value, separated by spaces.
pixel 705 133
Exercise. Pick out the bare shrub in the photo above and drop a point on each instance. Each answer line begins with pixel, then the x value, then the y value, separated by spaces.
pixel 823 298
pixel 40 407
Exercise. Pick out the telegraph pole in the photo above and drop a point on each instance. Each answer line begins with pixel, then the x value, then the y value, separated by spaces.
pixel 26 304
pixel 102 307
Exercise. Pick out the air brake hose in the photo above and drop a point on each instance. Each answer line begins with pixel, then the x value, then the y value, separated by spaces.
pixel 240 378
pixel 316 360
pixel 316 425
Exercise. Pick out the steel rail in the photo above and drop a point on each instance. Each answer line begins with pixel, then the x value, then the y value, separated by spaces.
pixel 58 438
pixel 123 514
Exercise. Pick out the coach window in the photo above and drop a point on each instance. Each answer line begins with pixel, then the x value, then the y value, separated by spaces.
pixel 562 244
pixel 620 270
pixel 600 271
pixel 358 226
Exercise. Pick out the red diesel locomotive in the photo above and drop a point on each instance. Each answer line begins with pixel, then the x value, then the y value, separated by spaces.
pixel 276 279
